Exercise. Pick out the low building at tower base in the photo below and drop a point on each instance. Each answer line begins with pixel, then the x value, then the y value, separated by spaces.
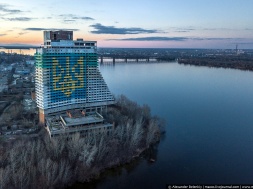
pixel 74 121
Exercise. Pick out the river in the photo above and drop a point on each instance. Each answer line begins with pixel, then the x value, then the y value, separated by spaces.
pixel 209 132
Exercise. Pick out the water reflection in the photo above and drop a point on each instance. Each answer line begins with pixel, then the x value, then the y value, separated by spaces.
pixel 209 131
pixel 121 170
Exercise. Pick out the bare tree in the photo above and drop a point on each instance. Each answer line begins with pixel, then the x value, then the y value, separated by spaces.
pixel 152 132
pixel 137 132
pixel 5 174
pixel 53 163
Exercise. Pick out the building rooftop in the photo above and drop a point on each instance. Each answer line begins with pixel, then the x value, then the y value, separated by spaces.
pixel 62 38
pixel 87 119
pixel 65 124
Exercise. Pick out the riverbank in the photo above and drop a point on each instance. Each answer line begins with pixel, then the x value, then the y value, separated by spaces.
pixel 62 161
pixel 234 62
pixel 126 168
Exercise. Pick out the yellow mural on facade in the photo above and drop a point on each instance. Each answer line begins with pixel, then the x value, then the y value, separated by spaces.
pixel 67 78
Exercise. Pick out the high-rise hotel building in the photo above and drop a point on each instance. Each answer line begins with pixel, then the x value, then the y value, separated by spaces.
pixel 68 82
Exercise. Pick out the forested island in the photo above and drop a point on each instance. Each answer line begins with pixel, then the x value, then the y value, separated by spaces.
pixel 44 162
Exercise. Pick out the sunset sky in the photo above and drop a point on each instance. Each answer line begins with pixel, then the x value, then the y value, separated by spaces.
pixel 132 23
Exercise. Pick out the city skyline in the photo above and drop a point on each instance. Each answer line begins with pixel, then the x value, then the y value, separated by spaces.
pixel 140 24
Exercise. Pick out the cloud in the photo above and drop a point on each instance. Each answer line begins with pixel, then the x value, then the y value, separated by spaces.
pixel 4 8
pixel 153 39
pixel 2 34
pixel 101 29
pixel 42 29
pixel 18 19
pixel 84 18
pixel 172 39
pixel 69 20
pixel 72 17
pixel 212 38
pixel 181 31
pixel 22 33
pixel 210 29
pixel 216 29
pixel 243 43
pixel 48 17
pixel 186 29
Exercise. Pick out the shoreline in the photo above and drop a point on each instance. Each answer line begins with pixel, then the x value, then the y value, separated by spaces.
pixel 227 62
pixel 103 173
pixel 62 161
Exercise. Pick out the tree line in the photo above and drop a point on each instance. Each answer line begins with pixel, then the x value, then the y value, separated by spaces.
pixel 45 162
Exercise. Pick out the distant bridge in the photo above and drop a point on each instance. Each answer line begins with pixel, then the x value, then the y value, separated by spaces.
pixel 130 59
pixel 105 58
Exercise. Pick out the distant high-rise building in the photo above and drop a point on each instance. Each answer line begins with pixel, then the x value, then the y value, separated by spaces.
pixel 67 76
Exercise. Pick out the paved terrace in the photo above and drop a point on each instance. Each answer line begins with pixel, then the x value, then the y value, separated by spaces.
pixel 63 123
pixel 84 120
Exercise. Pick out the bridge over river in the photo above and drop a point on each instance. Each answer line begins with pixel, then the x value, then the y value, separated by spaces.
pixel 131 59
